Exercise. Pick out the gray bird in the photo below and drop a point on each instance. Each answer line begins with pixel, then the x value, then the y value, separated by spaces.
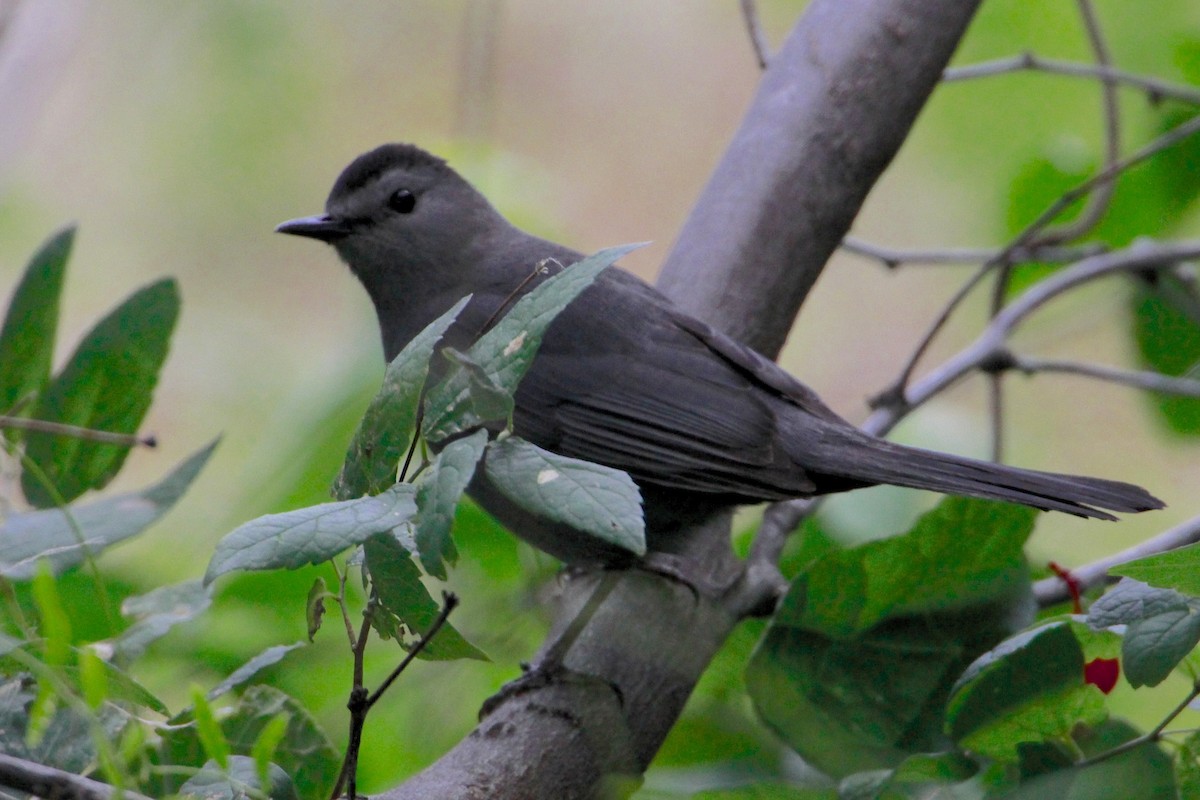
pixel 625 378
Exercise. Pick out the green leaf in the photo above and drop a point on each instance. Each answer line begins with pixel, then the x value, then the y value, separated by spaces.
pixel 1029 689
pixel 212 738
pixel 1166 327
pixel 55 625
pixel 30 327
pixel 1143 773
pixel 590 498
pixel 396 583
pixel 265 747
pixel 106 385
pixel 857 663
pixel 155 613
pixel 246 672
pixel 1163 626
pixel 122 686
pixel 386 430
pixel 438 493
pixel 1174 569
pixel 479 400
pixel 66 537
pixel 306 752
pixel 311 535
pixel 237 781
pixel 1187 767
pixel 505 352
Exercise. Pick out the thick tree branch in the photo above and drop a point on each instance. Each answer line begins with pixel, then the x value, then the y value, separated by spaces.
pixel 55 784
pixel 834 106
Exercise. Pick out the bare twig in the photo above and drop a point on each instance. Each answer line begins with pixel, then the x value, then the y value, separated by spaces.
pixel 1050 591
pixel 892 257
pixel 449 603
pixel 758 38
pixel 1155 88
pixel 76 432
pixel 1149 737
pixel 1029 235
pixel 361 702
pixel 1100 199
pixel 991 345
pixel 1138 379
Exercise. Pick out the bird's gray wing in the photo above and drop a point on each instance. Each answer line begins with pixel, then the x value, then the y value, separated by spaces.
pixel 624 380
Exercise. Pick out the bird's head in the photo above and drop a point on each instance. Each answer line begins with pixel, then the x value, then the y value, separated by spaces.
pixel 400 214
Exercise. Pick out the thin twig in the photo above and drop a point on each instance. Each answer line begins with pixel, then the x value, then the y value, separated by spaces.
pixel 892 257
pixel 449 603
pixel 1093 211
pixel 991 343
pixel 361 702
pixel 1050 591
pixel 1098 202
pixel 758 39
pixel 1064 201
pixel 1150 737
pixel 995 381
pixel 1155 88
pixel 77 432
pixel 1139 379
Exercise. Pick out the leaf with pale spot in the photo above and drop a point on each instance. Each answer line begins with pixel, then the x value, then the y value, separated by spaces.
pixel 590 498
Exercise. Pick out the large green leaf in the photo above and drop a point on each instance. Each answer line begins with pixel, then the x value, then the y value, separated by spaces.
pixel 305 752
pixel 858 662
pixel 594 499
pixel 505 352
pixel 403 599
pixel 30 326
pixel 1029 689
pixel 106 385
pixel 386 430
pixel 311 535
pixel 66 537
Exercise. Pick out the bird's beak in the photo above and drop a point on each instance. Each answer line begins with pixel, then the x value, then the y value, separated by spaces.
pixel 321 226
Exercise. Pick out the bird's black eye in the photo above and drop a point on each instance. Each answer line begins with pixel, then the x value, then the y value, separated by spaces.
pixel 402 201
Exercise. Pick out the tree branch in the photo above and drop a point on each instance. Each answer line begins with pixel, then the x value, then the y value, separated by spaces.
pixel 1050 591
pixel 1028 62
pixel 833 108
pixel 991 345
pixel 55 784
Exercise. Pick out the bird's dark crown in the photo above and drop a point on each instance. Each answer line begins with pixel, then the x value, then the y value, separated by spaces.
pixel 369 166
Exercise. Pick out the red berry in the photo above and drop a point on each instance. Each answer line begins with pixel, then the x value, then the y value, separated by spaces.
pixel 1102 673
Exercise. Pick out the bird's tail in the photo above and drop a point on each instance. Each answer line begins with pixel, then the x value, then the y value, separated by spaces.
pixel 853 456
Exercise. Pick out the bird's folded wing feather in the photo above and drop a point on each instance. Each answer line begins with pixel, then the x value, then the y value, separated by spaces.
pixel 661 396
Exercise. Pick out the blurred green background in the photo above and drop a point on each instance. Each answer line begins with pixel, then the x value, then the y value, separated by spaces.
pixel 178 134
